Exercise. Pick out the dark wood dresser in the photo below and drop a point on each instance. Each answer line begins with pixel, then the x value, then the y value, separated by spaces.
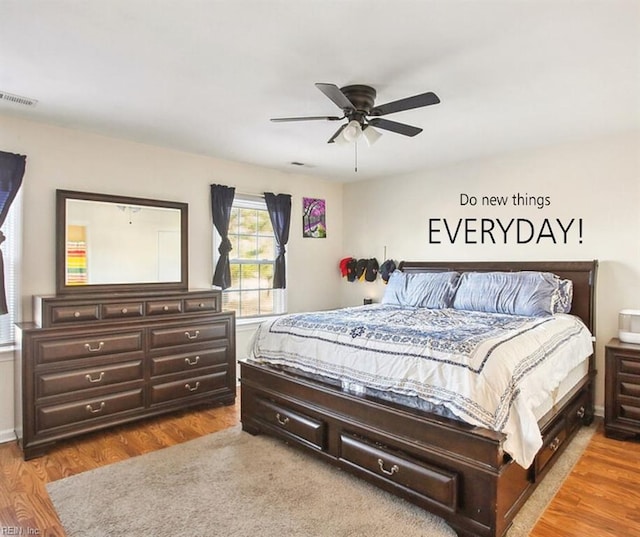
pixel 90 362
pixel 622 389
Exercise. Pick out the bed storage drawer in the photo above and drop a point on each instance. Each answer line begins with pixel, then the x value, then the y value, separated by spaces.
pixel 551 443
pixel 291 422
pixel 436 484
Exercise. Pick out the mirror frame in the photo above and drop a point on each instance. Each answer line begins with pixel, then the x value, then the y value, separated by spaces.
pixel 61 225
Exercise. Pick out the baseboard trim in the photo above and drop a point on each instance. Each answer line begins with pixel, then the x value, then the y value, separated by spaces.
pixel 7 435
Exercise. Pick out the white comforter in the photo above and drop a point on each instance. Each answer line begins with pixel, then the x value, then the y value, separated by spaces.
pixel 490 370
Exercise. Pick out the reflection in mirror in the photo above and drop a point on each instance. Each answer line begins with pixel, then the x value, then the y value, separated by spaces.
pixel 111 242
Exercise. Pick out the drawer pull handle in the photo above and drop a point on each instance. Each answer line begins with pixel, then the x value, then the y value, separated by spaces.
pixel 76 314
pixel 98 379
pixel 124 311
pixel 281 420
pixel 392 471
pixel 555 444
pixel 189 362
pixel 201 305
pixel 165 308
pixel 194 388
pixel 195 334
pixel 580 412
pixel 95 410
pixel 94 349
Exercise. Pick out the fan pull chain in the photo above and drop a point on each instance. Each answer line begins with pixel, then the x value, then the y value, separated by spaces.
pixel 355 165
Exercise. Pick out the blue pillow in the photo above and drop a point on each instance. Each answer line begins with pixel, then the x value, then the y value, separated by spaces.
pixel 433 290
pixel 516 293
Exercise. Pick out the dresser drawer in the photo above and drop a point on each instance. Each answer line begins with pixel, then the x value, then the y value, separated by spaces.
pixel 74 314
pixel 175 363
pixel 83 379
pixel 292 422
pixel 163 307
pixel 209 303
pixel 52 416
pixel 188 333
pixel 437 484
pixel 123 311
pixel 191 387
pixel 90 345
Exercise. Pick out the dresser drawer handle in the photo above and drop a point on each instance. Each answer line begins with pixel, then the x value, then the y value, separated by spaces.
pixel 165 308
pixel 94 349
pixel 91 379
pixel 394 469
pixel 555 444
pixel 193 335
pixel 201 305
pixel 189 362
pixel 192 389
pixel 124 311
pixel 281 420
pixel 95 410
pixel 580 412
pixel 76 314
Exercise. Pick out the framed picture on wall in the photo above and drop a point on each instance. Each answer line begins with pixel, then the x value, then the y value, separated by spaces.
pixel 314 218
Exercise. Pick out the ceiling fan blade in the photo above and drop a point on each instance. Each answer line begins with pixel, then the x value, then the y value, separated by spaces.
pixel 336 134
pixel 335 94
pixel 417 101
pixel 308 118
pixel 394 126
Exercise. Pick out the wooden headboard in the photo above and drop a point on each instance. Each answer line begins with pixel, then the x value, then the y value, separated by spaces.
pixel 581 273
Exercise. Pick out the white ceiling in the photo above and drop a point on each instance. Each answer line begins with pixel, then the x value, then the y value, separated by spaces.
pixel 205 76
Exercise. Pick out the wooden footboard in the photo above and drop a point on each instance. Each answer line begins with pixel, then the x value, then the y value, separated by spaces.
pixel 454 470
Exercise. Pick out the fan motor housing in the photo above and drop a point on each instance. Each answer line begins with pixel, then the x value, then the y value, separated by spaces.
pixel 362 97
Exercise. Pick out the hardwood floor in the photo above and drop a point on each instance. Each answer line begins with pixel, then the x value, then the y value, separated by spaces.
pixel 601 496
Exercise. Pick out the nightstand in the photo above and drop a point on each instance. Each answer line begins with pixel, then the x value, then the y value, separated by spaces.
pixel 622 389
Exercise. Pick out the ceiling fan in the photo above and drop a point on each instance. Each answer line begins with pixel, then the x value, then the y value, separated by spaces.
pixel 357 104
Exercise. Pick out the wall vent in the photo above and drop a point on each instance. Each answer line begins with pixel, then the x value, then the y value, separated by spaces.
pixel 17 99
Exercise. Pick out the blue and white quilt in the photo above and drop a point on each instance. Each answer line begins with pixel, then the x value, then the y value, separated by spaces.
pixel 490 370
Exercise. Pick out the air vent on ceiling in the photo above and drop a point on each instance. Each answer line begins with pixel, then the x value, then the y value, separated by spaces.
pixel 17 99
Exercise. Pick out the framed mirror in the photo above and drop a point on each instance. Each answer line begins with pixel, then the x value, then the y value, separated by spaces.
pixel 110 243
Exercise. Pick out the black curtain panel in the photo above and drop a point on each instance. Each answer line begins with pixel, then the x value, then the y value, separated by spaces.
pixel 279 207
pixel 221 203
pixel 11 172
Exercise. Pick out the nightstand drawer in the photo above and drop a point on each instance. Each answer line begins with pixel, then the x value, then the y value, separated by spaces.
pixel 630 366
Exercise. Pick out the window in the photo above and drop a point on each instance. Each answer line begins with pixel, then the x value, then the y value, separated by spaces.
pixel 10 255
pixel 252 261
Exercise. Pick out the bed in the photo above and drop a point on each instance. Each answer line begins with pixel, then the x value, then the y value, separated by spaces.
pixel 473 459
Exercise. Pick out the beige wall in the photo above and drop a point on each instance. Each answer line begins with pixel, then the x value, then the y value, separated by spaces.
pixel 74 160
pixel 598 181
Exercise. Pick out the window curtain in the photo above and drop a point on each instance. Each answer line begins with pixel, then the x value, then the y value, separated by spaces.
pixel 221 204
pixel 11 172
pixel 279 208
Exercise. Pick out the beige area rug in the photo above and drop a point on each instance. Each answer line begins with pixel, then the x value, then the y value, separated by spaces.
pixel 233 484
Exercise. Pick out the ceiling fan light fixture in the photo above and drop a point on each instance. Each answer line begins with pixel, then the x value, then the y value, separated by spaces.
pixel 352 131
pixel 371 135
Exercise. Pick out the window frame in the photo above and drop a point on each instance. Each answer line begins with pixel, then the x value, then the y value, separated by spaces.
pixel 246 201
